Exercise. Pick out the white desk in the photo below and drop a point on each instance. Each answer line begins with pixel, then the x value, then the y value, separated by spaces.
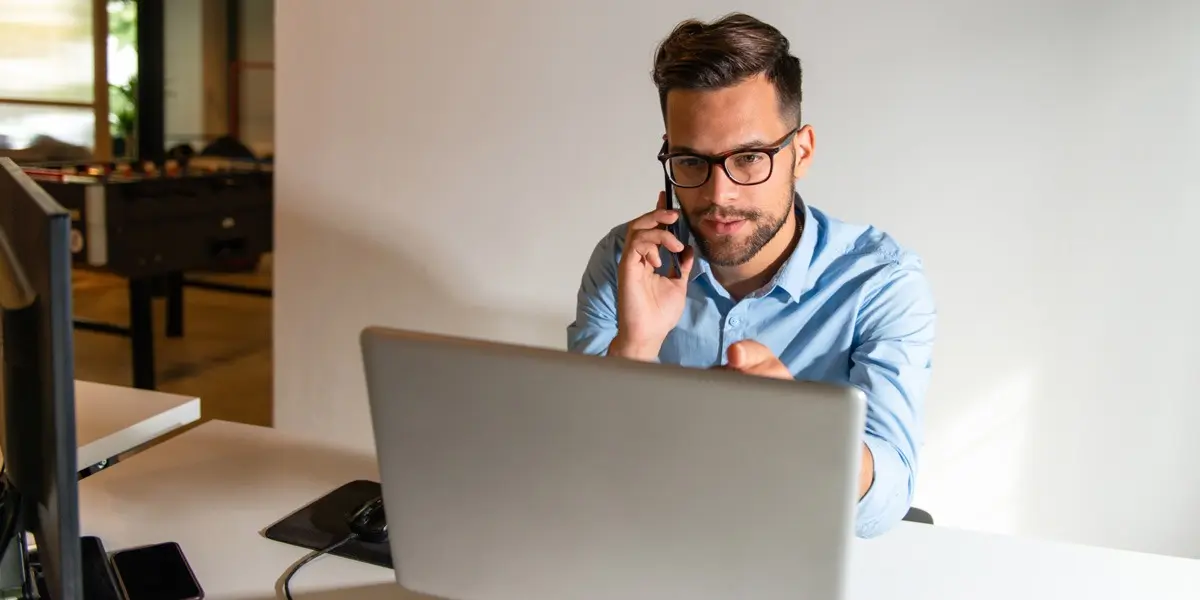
pixel 112 420
pixel 215 488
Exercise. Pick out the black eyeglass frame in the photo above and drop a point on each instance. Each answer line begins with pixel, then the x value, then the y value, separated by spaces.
pixel 720 159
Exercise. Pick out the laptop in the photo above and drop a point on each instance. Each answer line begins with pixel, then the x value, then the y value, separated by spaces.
pixel 522 473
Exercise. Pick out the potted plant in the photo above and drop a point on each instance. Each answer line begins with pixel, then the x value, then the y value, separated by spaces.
pixel 123 116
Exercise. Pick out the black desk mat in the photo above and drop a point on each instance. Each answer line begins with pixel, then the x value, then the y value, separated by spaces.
pixel 322 523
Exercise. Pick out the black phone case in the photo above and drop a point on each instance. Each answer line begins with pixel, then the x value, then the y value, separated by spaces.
pixel 132 576
pixel 675 228
pixel 678 228
pixel 670 195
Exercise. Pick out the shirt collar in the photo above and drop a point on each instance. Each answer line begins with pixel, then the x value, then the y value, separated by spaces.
pixel 792 277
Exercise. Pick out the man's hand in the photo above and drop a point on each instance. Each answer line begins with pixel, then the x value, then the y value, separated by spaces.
pixel 648 304
pixel 753 358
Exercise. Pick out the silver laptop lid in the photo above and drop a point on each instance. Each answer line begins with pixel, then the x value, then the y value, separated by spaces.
pixel 517 473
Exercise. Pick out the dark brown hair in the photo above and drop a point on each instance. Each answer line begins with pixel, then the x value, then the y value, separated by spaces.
pixel 707 56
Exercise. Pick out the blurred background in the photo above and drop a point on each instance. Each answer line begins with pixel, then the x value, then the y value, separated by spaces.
pixel 90 89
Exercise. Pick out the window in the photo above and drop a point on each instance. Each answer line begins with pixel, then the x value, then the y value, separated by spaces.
pixel 20 125
pixel 47 72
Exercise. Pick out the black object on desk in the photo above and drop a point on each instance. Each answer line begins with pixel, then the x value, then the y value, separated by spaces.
pixel 99 581
pixel 916 515
pixel 156 572
pixel 369 522
pixel 325 521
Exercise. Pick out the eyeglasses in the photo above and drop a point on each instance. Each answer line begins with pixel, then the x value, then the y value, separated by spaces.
pixel 745 167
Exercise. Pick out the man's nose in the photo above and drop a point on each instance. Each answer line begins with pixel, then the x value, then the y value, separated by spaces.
pixel 722 190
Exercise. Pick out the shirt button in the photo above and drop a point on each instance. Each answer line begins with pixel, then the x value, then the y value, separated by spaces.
pixel 735 321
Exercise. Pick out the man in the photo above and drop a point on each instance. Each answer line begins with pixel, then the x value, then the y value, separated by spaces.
pixel 767 285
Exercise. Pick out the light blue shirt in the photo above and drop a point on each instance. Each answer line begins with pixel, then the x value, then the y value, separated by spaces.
pixel 850 306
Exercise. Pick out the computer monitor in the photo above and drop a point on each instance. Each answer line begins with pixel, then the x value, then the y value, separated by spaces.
pixel 40 486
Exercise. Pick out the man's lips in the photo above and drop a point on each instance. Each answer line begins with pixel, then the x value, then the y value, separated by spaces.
pixel 724 226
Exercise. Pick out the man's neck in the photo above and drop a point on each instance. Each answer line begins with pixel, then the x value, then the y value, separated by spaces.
pixel 744 279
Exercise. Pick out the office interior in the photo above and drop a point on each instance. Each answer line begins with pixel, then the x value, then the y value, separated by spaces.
pixel 449 167
pixel 206 88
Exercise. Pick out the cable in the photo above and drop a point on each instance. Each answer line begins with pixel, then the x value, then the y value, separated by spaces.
pixel 315 554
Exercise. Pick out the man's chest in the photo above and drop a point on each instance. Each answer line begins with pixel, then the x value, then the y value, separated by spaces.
pixel 813 335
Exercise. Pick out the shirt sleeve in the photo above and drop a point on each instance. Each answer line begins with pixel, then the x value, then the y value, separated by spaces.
pixel 891 363
pixel 595 323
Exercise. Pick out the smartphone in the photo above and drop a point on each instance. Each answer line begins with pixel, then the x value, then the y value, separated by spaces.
pixel 156 572
pixel 99 581
pixel 677 228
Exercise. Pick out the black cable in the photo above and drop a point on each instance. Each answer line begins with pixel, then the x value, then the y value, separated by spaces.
pixel 315 554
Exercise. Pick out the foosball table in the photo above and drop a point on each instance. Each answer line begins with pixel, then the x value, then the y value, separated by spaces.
pixel 152 223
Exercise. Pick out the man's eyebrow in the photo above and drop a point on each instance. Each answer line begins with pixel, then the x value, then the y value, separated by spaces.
pixel 750 145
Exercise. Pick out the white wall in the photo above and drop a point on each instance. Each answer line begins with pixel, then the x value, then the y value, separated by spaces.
pixel 449 167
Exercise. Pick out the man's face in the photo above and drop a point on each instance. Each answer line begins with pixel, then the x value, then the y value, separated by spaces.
pixel 733 222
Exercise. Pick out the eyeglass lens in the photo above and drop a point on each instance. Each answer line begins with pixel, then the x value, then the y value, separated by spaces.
pixel 746 168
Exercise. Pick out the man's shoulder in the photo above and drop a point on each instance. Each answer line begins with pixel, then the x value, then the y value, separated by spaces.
pixel 608 248
pixel 862 246
pixel 616 236
pixel 889 278
pixel 607 252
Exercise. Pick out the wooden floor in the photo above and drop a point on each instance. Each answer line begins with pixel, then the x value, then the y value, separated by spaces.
pixel 224 356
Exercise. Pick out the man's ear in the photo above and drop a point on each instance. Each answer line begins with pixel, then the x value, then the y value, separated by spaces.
pixel 805 143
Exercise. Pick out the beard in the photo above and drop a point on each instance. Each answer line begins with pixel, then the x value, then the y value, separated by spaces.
pixel 729 251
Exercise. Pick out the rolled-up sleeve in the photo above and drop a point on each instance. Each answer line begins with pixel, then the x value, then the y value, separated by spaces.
pixel 595 323
pixel 891 363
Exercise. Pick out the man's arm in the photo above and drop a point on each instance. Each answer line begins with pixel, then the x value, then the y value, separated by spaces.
pixel 595 324
pixel 891 363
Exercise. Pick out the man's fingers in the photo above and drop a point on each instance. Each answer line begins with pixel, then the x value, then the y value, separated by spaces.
pixel 652 220
pixel 686 259
pixel 650 254
pixel 655 238
pixel 683 265
pixel 747 353
pixel 736 357
pixel 662 200
pixel 753 358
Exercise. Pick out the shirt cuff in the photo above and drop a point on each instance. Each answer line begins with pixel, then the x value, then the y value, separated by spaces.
pixel 887 500
pixel 654 359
